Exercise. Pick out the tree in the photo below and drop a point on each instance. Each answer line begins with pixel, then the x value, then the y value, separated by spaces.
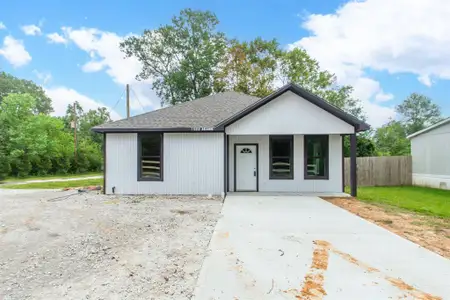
pixel 418 112
pixel 390 139
pixel 13 85
pixel 364 145
pixel 249 67
pixel 298 67
pixel 181 57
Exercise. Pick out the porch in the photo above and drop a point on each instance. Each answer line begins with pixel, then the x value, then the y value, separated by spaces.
pixel 288 164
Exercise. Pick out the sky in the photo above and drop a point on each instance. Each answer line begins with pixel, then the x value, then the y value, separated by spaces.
pixel 385 49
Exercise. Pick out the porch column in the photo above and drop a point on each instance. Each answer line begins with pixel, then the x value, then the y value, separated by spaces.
pixel 225 162
pixel 353 174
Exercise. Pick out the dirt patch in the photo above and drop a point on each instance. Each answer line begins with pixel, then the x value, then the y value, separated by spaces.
pixel 61 245
pixel 429 232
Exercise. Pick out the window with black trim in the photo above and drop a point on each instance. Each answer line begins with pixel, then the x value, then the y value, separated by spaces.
pixel 316 156
pixel 281 150
pixel 150 156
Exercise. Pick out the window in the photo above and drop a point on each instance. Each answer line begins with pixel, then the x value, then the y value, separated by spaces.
pixel 281 157
pixel 316 156
pixel 150 157
pixel 246 150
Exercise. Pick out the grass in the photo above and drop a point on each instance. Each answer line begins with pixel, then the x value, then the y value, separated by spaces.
pixel 434 202
pixel 45 177
pixel 55 184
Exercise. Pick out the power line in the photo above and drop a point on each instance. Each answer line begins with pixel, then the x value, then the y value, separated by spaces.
pixel 137 98
pixel 120 98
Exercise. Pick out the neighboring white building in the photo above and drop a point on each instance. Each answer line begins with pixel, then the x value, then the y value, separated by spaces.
pixel 430 150
pixel 289 141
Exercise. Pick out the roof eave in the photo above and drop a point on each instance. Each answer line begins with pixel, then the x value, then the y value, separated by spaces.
pixel 430 128
pixel 172 129
pixel 358 124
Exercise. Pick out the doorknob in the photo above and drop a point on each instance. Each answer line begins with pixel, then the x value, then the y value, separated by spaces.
pixel 254 173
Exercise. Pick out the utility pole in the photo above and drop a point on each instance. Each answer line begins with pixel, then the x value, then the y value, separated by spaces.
pixel 75 131
pixel 128 100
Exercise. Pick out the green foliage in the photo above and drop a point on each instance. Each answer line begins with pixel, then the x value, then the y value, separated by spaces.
pixel 390 139
pixel 249 67
pixel 39 144
pixel 364 145
pixel 181 57
pixel 418 112
pixel 12 85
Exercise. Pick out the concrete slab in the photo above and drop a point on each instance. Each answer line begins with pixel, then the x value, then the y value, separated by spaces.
pixel 293 247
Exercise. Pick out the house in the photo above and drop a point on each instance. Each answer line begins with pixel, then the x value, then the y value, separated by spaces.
pixel 430 150
pixel 289 141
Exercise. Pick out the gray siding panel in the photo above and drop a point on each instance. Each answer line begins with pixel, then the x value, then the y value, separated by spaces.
pixel 193 164
pixel 431 152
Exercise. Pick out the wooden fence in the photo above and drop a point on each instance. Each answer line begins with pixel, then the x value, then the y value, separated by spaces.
pixel 381 170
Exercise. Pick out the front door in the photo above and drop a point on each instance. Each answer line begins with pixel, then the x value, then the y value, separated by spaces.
pixel 246 168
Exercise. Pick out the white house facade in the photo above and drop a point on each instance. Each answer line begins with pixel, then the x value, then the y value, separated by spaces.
pixel 290 141
pixel 430 150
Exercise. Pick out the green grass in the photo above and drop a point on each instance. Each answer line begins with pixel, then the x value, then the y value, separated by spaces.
pixel 434 202
pixel 54 184
pixel 45 177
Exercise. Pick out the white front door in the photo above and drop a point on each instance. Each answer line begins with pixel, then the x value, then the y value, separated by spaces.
pixel 246 168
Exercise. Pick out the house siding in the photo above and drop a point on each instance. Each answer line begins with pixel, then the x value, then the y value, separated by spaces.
pixel 298 184
pixel 193 164
pixel 431 158
pixel 289 114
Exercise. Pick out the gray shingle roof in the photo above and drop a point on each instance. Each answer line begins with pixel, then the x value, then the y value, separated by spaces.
pixel 215 112
pixel 205 112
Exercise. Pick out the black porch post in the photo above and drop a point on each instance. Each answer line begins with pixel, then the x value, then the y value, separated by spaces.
pixel 225 163
pixel 353 174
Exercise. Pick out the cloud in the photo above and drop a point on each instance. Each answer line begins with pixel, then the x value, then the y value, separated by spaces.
pixel 56 38
pixel 44 77
pixel 2 26
pixel 14 52
pixel 31 29
pixel 382 97
pixel 425 80
pixel 397 36
pixel 105 55
pixel 63 96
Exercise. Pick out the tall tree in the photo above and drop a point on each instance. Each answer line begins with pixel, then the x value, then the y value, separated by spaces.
pixel 249 67
pixel 181 57
pixel 418 112
pixel 390 139
pixel 13 85
pixel 298 67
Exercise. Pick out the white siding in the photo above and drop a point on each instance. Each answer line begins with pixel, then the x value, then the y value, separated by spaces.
pixel 431 158
pixel 298 184
pixel 193 164
pixel 289 114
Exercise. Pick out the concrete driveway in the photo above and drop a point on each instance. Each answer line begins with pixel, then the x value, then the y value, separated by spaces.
pixel 297 247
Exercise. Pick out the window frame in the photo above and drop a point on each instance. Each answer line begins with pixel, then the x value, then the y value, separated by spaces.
pixel 326 140
pixel 139 156
pixel 291 157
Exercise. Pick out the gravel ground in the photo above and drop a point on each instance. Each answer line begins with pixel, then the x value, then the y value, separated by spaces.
pixel 92 246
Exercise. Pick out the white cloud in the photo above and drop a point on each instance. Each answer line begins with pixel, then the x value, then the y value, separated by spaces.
pixel 14 52
pixel 63 96
pixel 31 29
pixel 44 77
pixel 382 97
pixel 56 38
pixel 2 26
pixel 397 36
pixel 425 80
pixel 104 54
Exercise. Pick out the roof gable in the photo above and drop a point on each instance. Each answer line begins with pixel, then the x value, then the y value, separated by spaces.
pixel 359 125
pixel 215 112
